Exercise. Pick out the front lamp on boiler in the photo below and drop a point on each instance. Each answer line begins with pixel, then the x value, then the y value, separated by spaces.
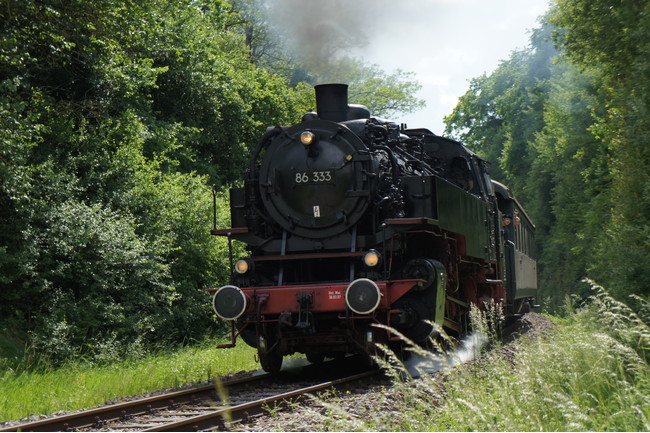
pixel 371 258
pixel 243 266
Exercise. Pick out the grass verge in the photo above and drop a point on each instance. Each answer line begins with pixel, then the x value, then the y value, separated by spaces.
pixel 82 385
pixel 590 373
pixel 577 379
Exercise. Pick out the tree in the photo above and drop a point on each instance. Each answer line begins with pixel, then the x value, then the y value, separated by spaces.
pixel 316 51
pixel 613 36
pixel 534 120
pixel 501 113
pixel 572 201
pixel 385 95
pixel 116 116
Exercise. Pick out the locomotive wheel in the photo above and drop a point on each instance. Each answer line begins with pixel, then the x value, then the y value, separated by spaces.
pixel 271 362
pixel 419 312
pixel 314 357
pixel 423 269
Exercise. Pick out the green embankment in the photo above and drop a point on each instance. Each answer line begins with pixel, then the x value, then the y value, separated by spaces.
pixel 81 385
pixel 589 373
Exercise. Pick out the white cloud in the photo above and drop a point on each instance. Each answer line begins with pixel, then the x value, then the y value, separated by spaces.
pixel 446 43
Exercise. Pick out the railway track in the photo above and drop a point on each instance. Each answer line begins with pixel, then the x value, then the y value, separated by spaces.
pixel 195 409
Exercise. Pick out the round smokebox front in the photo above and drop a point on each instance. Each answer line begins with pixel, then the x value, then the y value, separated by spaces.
pixel 316 186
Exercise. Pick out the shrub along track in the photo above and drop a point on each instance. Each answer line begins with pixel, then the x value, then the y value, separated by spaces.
pixel 202 408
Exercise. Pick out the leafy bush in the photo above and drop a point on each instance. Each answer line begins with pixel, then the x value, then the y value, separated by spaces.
pixel 95 278
pixel 115 117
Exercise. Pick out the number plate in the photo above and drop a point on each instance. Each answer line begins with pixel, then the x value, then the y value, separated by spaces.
pixel 313 177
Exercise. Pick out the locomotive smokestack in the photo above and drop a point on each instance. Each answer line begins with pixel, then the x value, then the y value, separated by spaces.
pixel 332 102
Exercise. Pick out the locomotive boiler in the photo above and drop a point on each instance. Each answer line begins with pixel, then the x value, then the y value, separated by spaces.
pixel 352 221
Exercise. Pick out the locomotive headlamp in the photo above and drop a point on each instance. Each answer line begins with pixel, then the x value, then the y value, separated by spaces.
pixel 243 265
pixel 362 296
pixel 229 302
pixel 372 258
pixel 307 138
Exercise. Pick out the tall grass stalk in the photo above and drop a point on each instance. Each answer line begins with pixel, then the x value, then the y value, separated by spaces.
pixel 488 322
pixel 590 373
pixel 621 321
pixel 82 385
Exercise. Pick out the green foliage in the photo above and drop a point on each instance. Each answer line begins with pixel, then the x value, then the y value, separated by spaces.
pixel 115 117
pixel 501 113
pixel 384 94
pixel 574 163
pixel 569 134
pixel 613 37
pixel 588 373
pixel 84 263
pixel 82 384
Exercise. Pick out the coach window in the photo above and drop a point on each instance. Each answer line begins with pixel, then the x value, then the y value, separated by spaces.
pixel 533 251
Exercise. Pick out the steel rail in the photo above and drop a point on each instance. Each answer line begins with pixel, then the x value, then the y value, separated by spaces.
pixel 220 418
pixel 92 417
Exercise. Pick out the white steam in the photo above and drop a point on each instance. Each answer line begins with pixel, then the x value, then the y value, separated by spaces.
pixel 468 349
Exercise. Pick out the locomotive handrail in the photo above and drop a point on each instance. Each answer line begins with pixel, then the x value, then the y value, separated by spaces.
pixel 411 221
pixel 272 132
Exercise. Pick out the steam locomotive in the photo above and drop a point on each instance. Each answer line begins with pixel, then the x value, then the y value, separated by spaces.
pixel 353 221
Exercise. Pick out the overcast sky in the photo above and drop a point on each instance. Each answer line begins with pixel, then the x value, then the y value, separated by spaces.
pixel 448 42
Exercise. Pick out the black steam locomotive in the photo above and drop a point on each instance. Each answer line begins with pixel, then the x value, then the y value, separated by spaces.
pixel 353 221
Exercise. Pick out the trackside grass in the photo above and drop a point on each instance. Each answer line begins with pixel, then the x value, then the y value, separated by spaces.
pixel 82 385
pixel 578 379
pixel 590 373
